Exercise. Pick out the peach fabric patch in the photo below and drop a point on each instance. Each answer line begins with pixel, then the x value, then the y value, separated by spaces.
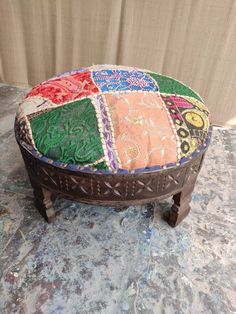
pixel 142 130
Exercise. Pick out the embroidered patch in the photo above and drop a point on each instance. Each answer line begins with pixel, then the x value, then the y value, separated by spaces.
pixel 35 105
pixel 191 121
pixel 170 86
pixel 142 131
pixel 119 80
pixel 106 132
pixel 23 129
pixel 65 88
pixel 115 118
pixel 69 133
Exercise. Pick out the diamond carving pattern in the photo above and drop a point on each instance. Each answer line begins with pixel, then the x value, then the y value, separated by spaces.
pixel 48 176
pixel 79 184
pixel 144 186
pixel 112 188
pixel 174 179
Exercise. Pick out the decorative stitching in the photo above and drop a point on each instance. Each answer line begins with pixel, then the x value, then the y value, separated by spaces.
pixel 69 133
pixel 67 88
pixel 75 167
pixel 111 131
pixel 190 119
pixel 105 130
pixel 23 123
pixel 172 127
pixel 54 106
pixel 149 71
pixel 87 168
pixel 116 80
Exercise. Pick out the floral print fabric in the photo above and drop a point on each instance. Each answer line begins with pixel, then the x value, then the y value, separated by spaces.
pixel 119 80
pixel 142 130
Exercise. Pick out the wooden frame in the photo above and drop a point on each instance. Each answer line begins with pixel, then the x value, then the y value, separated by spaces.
pixel 117 190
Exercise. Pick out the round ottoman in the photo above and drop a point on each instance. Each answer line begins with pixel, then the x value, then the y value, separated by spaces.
pixel 114 136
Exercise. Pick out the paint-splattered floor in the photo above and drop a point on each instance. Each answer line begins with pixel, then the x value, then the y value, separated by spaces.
pixel 95 260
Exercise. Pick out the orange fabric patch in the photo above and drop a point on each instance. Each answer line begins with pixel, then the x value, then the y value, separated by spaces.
pixel 142 130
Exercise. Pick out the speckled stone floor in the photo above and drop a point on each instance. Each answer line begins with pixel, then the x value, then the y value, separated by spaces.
pixel 95 260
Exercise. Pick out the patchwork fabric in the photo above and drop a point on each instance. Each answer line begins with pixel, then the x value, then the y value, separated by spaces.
pixel 113 119
pixel 69 133
pixel 106 130
pixel 65 88
pixel 170 86
pixel 191 121
pixel 118 80
pixel 142 130
pixel 33 106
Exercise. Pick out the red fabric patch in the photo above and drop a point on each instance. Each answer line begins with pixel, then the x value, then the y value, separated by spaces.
pixel 66 88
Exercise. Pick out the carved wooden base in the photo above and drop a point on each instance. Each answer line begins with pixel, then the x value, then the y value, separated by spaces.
pixel 179 210
pixel 43 201
pixel 181 206
pixel 114 190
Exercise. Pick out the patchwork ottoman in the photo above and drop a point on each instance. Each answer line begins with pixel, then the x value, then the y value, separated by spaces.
pixel 113 136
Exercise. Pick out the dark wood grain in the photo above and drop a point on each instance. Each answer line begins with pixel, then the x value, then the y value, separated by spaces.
pixel 43 200
pixel 116 190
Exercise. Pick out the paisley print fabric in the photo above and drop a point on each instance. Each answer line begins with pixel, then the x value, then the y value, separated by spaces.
pixel 65 88
pixel 118 80
pixel 69 133
pixel 113 118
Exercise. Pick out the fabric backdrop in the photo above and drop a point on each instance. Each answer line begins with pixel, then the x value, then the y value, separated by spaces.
pixel 191 40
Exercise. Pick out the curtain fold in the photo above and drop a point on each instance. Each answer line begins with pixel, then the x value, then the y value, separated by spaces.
pixel 193 41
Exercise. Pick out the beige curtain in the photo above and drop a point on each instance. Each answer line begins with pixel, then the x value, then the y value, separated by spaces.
pixel 191 40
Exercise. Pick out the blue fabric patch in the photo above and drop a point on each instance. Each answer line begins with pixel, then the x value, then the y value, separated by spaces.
pixel 118 80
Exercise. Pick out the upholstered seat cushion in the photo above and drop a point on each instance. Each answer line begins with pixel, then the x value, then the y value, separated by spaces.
pixel 113 118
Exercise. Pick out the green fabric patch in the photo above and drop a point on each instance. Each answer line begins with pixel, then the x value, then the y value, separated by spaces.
pixel 69 133
pixel 171 86
pixel 101 165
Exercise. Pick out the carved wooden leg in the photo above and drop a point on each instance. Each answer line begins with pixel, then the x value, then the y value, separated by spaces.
pixel 43 202
pixel 181 206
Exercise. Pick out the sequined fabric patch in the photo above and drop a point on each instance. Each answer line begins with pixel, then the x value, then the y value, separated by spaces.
pixel 191 121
